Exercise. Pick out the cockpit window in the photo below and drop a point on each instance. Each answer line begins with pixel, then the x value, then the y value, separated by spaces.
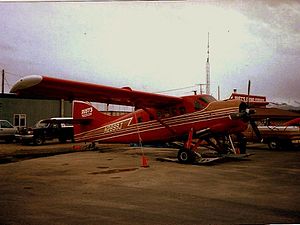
pixel 207 99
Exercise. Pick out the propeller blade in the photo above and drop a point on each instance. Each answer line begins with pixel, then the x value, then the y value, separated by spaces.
pixel 255 129
pixel 249 86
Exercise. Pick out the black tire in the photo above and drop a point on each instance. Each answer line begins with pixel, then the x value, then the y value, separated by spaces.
pixel 62 140
pixel 38 141
pixel 281 144
pixel 242 143
pixel 186 156
pixel 9 140
pixel 273 144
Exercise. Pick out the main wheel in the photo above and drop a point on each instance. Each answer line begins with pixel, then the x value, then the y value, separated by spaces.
pixel 242 143
pixel 186 156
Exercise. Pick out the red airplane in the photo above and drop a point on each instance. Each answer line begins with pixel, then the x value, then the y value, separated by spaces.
pixel 158 118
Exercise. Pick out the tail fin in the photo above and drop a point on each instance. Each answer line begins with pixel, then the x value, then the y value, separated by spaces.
pixel 88 118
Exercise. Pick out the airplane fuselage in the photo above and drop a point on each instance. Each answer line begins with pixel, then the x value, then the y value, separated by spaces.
pixel 165 124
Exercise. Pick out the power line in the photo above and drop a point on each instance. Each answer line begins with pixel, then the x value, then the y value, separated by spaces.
pixel 9 72
pixel 176 89
pixel 13 74
pixel 7 82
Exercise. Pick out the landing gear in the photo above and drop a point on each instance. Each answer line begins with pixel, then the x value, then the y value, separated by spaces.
pixel 186 156
pixel 220 146
pixel 241 143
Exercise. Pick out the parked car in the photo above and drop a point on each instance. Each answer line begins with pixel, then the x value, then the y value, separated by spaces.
pixel 7 131
pixel 283 136
pixel 48 129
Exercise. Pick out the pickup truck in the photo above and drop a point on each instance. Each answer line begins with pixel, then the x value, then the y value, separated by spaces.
pixel 285 136
pixel 48 129
pixel 7 131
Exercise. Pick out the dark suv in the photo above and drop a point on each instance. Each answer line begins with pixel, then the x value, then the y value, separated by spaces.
pixel 48 129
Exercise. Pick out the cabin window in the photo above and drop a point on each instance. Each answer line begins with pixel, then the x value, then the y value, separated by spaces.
pixel 158 114
pixel 140 119
pixel 173 111
pixel 166 113
pixel 197 105
pixel 182 110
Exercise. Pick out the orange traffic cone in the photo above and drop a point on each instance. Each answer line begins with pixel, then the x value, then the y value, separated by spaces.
pixel 144 162
pixel 76 147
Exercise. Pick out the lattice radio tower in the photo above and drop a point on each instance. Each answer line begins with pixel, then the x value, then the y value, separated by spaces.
pixel 207 69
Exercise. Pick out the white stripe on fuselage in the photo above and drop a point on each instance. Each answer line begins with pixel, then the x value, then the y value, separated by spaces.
pixel 173 122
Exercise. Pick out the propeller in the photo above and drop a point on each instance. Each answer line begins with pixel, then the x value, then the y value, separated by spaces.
pixel 248 97
pixel 245 114
pixel 255 129
pixel 251 120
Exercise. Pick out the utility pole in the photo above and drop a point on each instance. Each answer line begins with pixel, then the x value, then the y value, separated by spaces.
pixel 201 88
pixel 2 81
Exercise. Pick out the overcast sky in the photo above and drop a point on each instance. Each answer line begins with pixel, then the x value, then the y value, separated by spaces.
pixel 157 46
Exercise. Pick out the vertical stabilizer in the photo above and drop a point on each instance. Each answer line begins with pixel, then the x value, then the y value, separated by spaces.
pixel 88 118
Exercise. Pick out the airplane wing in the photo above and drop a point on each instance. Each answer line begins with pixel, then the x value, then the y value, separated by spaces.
pixel 36 86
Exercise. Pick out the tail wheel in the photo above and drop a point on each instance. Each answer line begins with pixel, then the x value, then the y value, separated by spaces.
pixel 186 156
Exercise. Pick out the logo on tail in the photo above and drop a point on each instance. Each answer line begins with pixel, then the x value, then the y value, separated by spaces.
pixel 87 112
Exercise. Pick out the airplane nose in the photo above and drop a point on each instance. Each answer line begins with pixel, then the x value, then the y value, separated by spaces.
pixel 244 112
pixel 243 107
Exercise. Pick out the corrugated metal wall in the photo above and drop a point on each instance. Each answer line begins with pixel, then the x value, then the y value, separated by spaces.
pixel 35 110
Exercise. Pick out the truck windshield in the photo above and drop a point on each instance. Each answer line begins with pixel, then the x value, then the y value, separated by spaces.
pixel 41 124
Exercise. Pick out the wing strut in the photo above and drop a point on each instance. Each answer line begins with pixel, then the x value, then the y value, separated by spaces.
pixel 172 131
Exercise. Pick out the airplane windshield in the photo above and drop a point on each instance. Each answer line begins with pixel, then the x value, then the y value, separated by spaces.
pixel 207 99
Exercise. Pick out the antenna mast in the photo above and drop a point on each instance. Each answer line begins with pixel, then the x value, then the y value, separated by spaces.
pixel 207 69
